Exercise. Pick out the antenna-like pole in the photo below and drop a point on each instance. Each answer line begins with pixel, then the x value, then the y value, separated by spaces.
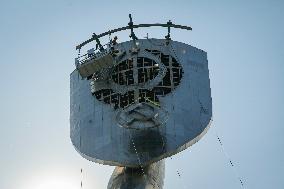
pixel 169 24
pixel 130 24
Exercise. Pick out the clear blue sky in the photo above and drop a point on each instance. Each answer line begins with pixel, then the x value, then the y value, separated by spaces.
pixel 245 44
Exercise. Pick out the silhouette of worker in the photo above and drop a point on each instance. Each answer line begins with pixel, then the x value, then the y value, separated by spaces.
pixel 114 41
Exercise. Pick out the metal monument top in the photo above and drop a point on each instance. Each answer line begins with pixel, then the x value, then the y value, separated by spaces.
pixel 135 103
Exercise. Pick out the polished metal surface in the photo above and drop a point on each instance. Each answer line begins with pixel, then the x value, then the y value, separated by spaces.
pixel 150 177
pixel 98 133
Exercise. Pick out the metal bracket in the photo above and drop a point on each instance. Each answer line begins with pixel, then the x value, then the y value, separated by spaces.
pixel 169 24
pixel 130 24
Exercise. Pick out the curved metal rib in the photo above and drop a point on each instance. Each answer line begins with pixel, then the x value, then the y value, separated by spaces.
pixel 94 37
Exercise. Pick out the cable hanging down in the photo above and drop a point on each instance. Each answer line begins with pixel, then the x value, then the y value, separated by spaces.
pixel 232 165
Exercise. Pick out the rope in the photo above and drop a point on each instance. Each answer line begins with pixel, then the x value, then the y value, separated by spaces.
pixel 81 184
pixel 79 53
pixel 109 37
pixel 102 114
pixel 232 165
pixel 177 58
pixel 179 175
pixel 138 158
pixel 178 172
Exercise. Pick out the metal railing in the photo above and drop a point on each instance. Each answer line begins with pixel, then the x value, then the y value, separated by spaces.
pixel 96 54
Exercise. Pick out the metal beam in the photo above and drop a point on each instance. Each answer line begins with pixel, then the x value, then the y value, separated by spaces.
pixel 128 27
